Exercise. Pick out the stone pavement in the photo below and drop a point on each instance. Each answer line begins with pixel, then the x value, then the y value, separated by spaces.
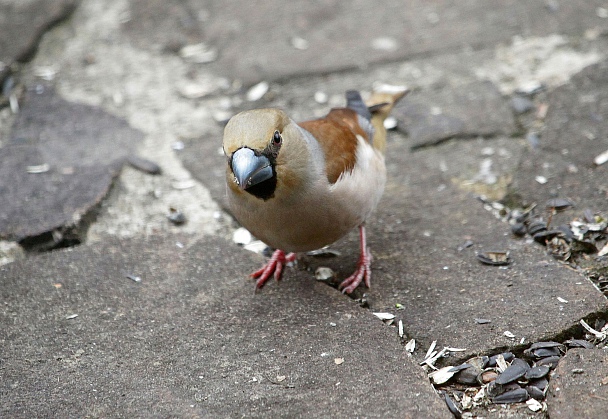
pixel 132 315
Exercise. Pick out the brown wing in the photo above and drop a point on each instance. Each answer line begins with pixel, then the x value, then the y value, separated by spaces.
pixel 337 134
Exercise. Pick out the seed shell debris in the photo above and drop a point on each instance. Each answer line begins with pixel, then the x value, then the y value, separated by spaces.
pixel 601 158
pixel 39 168
pixel 494 258
pixel 384 316
pixel 133 278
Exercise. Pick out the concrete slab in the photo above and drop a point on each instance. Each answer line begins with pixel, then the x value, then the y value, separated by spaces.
pixel 22 24
pixel 471 110
pixel 191 338
pixel 266 41
pixel 575 133
pixel 428 211
pixel 174 345
pixel 579 385
pixel 422 221
pixel 61 160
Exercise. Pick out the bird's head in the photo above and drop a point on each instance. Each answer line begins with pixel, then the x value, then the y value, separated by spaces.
pixel 258 144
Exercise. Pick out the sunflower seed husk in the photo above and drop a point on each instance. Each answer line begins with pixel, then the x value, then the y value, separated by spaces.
pixel 442 375
pixel 144 165
pixel 536 226
pixel 545 352
pixel 468 375
pixel 579 343
pixel 507 356
pixel 548 344
pixel 544 349
pixel 460 367
pixel 513 372
pixel 535 392
pixel 559 204
pixel 452 406
pixel 494 258
pixel 513 396
pixel 540 384
pixel 537 372
pixel 551 362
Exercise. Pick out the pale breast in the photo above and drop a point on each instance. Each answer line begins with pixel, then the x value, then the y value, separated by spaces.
pixel 319 213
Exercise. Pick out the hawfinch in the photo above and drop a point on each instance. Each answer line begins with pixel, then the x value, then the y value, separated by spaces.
pixel 301 186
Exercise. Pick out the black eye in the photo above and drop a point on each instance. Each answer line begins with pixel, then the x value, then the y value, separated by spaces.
pixel 276 138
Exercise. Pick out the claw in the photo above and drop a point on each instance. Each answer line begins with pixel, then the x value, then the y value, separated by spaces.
pixel 274 267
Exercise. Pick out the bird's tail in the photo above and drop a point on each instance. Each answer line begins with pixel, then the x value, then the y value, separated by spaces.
pixel 380 104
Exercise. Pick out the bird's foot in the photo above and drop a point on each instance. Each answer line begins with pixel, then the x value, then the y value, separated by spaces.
pixel 274 265
pixel 363 273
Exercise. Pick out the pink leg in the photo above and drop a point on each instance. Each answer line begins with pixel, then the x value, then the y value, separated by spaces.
pixel 364 266
pixel 274 265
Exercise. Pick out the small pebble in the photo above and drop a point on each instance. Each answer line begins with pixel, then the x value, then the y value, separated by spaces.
pixel 385 44
pixel 176 217
pixel 299 43
pixel 390 123
pixel 323 273
pixel 177 145
pixel 242 236
pixel 257 91
pixel 321 97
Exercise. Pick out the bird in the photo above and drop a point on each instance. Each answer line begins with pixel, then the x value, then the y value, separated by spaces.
pixel 301 186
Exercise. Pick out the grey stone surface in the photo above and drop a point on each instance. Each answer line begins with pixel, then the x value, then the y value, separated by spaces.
pixel 471 110
pixel 579 385
pixel 568 145
pixel 22 24
pixel 83 148
pixel 421 221
pixel 191 339
pixel 255 40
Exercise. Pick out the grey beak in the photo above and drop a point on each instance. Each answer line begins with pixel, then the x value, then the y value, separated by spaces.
pixel 250 169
